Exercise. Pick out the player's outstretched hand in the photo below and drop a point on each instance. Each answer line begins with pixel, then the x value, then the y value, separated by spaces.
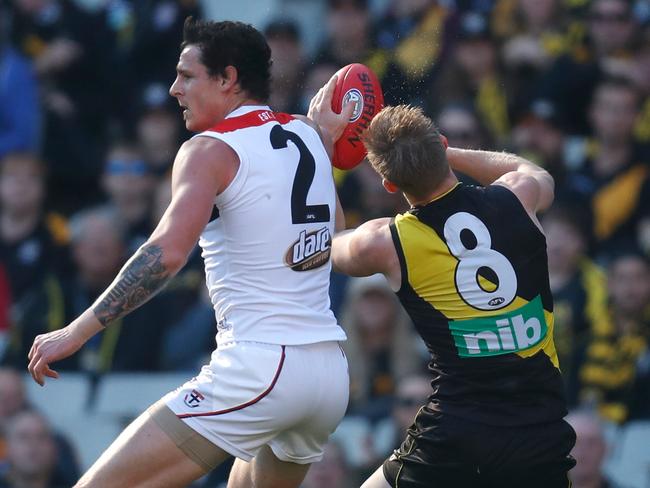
pixel 48 348
pixel 320 111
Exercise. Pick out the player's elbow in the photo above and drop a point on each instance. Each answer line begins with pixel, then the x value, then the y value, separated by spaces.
pixel 170 257
pixel 546 190
pixel 174 260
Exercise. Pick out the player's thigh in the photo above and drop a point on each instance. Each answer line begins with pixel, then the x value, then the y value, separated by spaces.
pixel 144 456
pixel 266 471
pixel 377 480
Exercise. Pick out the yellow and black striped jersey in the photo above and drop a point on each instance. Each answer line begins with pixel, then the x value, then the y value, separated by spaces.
pixel 475 283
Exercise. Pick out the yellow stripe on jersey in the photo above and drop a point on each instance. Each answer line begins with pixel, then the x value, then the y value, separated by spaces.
pixel 431 270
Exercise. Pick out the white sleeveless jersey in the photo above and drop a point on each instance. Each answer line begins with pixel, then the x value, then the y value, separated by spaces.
pixel 267 246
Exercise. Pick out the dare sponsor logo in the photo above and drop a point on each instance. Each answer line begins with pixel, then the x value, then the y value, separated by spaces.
pixel 310 251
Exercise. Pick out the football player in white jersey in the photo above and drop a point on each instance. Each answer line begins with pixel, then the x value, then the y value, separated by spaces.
pixel 255 188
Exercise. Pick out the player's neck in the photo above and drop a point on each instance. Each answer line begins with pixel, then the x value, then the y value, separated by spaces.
pixel 241 102
pixel 447 185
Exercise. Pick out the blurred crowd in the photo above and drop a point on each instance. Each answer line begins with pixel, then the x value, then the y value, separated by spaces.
pixel 88 134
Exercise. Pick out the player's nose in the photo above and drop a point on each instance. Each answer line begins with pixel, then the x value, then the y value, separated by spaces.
pixel 174 89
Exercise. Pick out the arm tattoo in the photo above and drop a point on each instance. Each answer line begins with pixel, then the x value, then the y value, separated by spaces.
pixel 140 279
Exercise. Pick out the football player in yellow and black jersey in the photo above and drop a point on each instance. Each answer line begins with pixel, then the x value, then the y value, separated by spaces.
pixel 469 265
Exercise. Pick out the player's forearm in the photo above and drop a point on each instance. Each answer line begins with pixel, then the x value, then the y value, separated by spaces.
pixel 487 166
pixel 144 275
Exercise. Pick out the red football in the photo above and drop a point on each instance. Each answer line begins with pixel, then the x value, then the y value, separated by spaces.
pixel 358 84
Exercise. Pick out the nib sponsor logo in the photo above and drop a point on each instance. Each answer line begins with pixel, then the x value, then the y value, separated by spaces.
pixel 310 251
pixel 512 332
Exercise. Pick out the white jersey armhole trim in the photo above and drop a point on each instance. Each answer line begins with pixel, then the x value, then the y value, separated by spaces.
pixel 238 181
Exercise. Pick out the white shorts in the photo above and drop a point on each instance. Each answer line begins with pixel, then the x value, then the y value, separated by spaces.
pixel 290 398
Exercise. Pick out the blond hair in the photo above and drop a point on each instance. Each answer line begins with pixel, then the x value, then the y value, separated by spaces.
pixel 404 147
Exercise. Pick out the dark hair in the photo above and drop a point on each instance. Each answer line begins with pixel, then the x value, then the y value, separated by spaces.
pixel 233 44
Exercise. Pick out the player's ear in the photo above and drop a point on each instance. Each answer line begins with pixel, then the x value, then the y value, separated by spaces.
pixel 389 186
pixel 229 77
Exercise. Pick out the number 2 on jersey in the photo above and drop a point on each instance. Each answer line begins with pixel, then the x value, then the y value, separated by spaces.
pixel 301 213
pixel 472 259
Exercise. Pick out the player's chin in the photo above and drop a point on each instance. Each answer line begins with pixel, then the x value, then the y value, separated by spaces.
pixel 192 126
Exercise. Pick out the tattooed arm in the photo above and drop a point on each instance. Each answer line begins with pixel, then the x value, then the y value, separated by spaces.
pixel 142 277
pixel 203 168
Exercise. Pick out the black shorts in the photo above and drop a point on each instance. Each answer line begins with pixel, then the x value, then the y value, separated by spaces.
pixel 455 453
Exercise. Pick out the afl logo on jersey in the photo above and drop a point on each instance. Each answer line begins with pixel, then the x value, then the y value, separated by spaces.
pixel 310 251
pixel 353 95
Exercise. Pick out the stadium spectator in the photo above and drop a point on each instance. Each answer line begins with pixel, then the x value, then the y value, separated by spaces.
pixel 151 32
pixel 614 376
pixel 579 290
pixel 411 392
pixel 318 73
pixel 130 182
pixel 570 81
pixel 589 452
pixel 473 75
pixel 461 126
pixel 145 36
pixel 157 129
pixel 639 72
pixel 5 310
pixel 372 198
pixel 538 135
pixel 70 48
pixel 33 251
pixel 287 70
pixel 348 37
pixel 611 176
pixel 381 345
pixel 20 118
pixel 32 240
pixel 533 36
pixel 13 399
pixel 413 40
pixel 31 453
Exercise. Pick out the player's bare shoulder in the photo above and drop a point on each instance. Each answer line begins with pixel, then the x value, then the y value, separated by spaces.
pixel 200 154
pixel 374 240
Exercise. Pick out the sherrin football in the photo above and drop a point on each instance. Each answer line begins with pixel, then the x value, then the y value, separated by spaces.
pixel 355 83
